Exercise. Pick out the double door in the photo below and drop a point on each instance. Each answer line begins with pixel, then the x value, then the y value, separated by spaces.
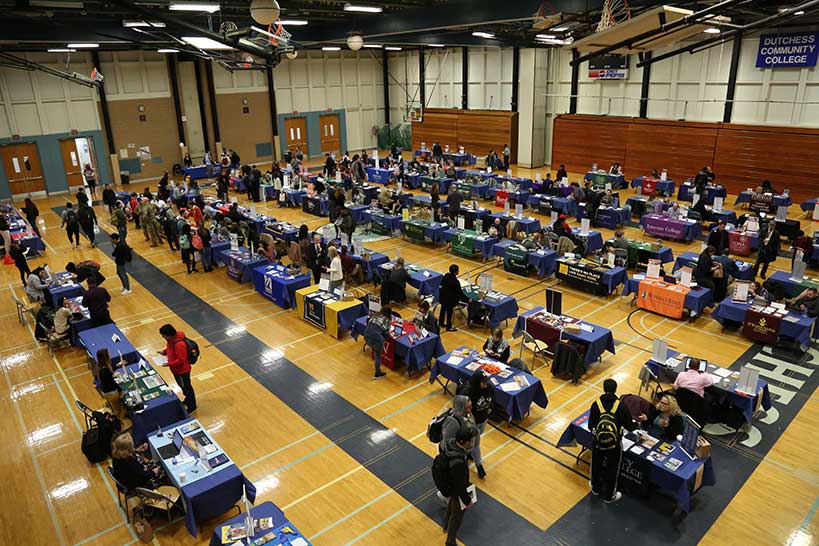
pixel 23 169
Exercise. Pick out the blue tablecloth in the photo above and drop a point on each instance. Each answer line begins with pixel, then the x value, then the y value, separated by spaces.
pixel 101 337
pixel 810 204
pixel 79 325
pixel 357 212
pixel 780 200
pixel 389 221
pixel 318 206
pixel 162 411
pixel 282 232
pixel 686 193
pixel 523 183
pixel 727 216
pixel 792 288
pixel 426 201
pixel 412 181
pixel 240 264
pixel 272 282
pixel 641 205
pixel 427 285
pixel 598 341
pixel 497 311
pixel 369 266
pixel 594 240
pixel 199 171
pixel 433 231
pixel 123 196
pixel 561 204
pixel 607 217
pixel 459 159
pixel 729 310
pixel 679 482
pixel 616 180
pixel 746 270
pixel 526 224
pixel 218 248
pixel 478 191
pixel 482 244
pixel 542 260
pixel 483 174
pixel 724 390
pixel 415 355
pixel 264 510
pixel 204 495
pixel 665 186
pixel 670 228
pixel 515 403
pixel 294 197
pixel 425 183
pixel 56 291
pixel 697 300
pixel 378 176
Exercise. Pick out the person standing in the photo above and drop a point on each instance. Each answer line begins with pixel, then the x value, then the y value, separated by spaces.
pixel 222 185
pixel 335 270
pixel 119 220
pixel 768 250
pixel 122 256
pixel 177 353
pixel 376 333
pixel 706 269
pixel 208 163
pixel 507 153
pixel 5 232
pixel 188 252
pixel 480 394
pixel 316 256
pixel 109 198
pixel 88 222
pixel 96 300
pixel 18 255
pixel 455 450
pixel 31 212
pixel 71 222
pixel 437 152
pixel 450 295
pixel 607 419
pixel 435 201
pixel 453 202
pixel 206 252
pixel 90 178
pixel 81 196
pixel 186 160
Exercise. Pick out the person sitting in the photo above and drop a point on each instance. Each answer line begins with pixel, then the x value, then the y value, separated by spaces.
pixel 666 422
pixel 131 468
pixel 496 229
pixel 561 227
pixel 36 284
pixel 674 212
pixel 425 318
pixel 105 383
pixel 615 169
pixel 62 317
pixel 806 302
pixel 353 272
pixel 694 380
pixel 561 173
pixel 719 238
pixel 767 187
pixel 496 346
pixel 620 240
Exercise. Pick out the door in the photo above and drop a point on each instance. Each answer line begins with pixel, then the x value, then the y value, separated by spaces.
pixel 23 170
pixel 330 135
pixel 295 134
pixel 71 162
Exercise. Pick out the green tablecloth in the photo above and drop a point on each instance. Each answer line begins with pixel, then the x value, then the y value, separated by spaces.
pixel 463 243
pixel 414 229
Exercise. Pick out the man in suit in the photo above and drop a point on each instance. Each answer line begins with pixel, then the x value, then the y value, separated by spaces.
pixel 316 257
pixel 719 238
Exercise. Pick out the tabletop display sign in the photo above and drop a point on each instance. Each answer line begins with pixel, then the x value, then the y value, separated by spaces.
pixel 685 277
pixel 781 213
pixel 489 170
pixel 375 157
pixel 653 269
pixel 554 216
pixel 463 244
pixel 506 207
pixel 338 177
pixel 501 198
pixel 234 242
pixel 787 50
pixel 761 327
pixel 314 309
pixel 659 351
pixel 405 214
pixel 485 282
pixel 761 202
pixel 608 186
pixel 518 210
pixel 374 304
pixel 690 436
pixel 752 224
pixel 740 294
pixel 816 213
pixel 717 204
pixel 585 224
pixel 664 175
pixel 461 222
pixel 748 381
pixel 586 277
pixel 798 268
pixel 648 186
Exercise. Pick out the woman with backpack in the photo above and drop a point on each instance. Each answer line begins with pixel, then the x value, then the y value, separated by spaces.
pixel 188 252
pixel 122 255
pixel 71 223
pixel 376 333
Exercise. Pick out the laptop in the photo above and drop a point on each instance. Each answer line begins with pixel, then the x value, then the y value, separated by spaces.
pixel 171 450
pixel 703 364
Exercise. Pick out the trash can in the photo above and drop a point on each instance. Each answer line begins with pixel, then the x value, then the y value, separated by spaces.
pixel 125 177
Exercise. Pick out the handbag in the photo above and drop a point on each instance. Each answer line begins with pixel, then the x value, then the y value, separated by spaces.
pixel 142 527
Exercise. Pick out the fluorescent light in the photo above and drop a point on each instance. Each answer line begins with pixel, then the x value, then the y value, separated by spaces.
pixel 204 43
pixel 292 22
pixel 331 48
pixel 483 34
pixel 711 30
pixel 193 6
pixel 167 50
pixel 392 48
pixel 82 46
pixel 136 23
pixel 800 12
pixel 363 9
pixel 560 29
pixel 62 50
pixel 373 46
pixel 546 36
pixel 435 45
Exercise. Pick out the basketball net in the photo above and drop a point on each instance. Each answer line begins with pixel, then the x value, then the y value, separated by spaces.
pixel 613 12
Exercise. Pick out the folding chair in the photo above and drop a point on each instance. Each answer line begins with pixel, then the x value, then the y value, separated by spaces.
pixel 23 308
pixel 122 492
pixel 164 497
pixel 536 346
pixel 647 377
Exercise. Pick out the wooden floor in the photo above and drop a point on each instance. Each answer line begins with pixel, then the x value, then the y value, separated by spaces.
pixel 52 496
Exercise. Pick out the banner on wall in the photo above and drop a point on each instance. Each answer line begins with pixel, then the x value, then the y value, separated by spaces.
pixel 608 67
pixel 789 50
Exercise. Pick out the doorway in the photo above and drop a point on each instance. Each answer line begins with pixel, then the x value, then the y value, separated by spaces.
pixel 76 154
pixel 330 135
pixel 295 134
pixel 24 171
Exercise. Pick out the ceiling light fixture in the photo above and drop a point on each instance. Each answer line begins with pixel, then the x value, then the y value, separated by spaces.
pixel 204 43
pixel 167 50
pixel 292 22
pixel 800 12
pixel 392 48
pixel 711 30
pixel 480 34
pixel 363 9
pixel 435 45
pixel 331 48
pixel 559 29
pixel 62 50
pixel 82 46
pixel 137 23
pixel 546 36
pixel 372 46
pixel 194 6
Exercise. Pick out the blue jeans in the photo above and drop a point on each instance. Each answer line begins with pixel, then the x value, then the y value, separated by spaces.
pixel 377 344
pixel 123 232
pixel 207 257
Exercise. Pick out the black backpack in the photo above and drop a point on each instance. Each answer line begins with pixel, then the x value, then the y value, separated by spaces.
pixel 193 350
pixel 71 219
pixel 129 254
pixel 442 472
pixel 607 431
pixel 435 428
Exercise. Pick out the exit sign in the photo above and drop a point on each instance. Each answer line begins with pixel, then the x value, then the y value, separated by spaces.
pixel 15 137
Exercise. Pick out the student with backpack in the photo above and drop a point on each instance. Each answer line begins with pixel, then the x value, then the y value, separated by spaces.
pixel 188 252
pixel 71 223
pixel 122 255
pixel 88 221
pixel 607 419
pixel 181 353
pixel 453 473
pixel 446 425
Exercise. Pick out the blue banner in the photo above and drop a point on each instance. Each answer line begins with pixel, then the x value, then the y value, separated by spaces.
pixel 791 50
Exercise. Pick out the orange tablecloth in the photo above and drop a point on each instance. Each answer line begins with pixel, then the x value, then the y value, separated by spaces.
pixel 662 298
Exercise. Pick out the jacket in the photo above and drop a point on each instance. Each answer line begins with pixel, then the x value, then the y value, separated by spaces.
pixel 458 470
pixel 481 398
pixel 623 417
pixel 177 353
pixel 457 419
pixel 718 239
pixel 451 292
pixel 121 253
pixel 315 260
pixel 453 201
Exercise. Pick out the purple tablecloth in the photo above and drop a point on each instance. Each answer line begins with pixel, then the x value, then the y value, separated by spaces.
pixel 670 228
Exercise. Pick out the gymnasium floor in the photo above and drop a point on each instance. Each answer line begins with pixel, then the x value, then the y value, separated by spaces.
pixel 346 457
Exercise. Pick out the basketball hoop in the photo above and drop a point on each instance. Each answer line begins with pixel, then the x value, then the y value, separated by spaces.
pixel 414 112
pixel 613 12
pixel 546 17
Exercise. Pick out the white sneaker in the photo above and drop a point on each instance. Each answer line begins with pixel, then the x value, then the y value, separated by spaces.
pixel 442 499
pixel 125 292
pixel 617 496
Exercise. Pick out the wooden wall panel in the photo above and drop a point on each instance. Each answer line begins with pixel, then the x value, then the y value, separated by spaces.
pixel 478 131
pixel 741 155
pixel 581 141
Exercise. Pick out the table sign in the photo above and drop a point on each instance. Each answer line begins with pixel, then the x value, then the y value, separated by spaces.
pixel 505 204
pixel 762 327
pixel 659 350
pixel 816 213
pixel 653 269
pixel 748 381
pixel 234 242
pixel 798 268
pixel 717 204
pixel 405 214
pixel 685 277
pixel 518 210
pixel 585 224
pixel 461 222
pixel 781 213
pixel 740 294
pixel 664 175
pixel 375 157
pixel 374 304
pixel 608 186
pixel 554 216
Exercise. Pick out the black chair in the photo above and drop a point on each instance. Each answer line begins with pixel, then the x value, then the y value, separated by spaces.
pixel 567 359
pixel 693 404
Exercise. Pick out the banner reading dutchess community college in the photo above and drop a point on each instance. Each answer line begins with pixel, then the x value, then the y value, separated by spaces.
pixel 796 49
